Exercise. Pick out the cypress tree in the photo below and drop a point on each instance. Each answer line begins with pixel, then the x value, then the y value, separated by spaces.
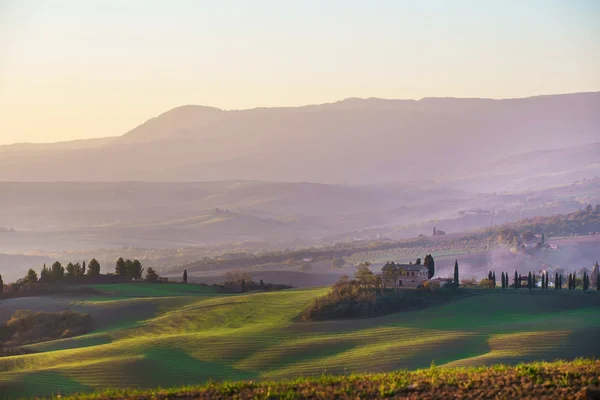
pixel 533 281
pixel 585 281
pixel 185 276
pixel 556 282
pixel 494 278
pixel 546 280
pixel 243 286
pixel 543 282
pixel 503 283
pixel 529 281
pixel 456 281
pixel 574 281
pixel 516 280
pixel 598 284
pixel 490 275
pixel 560 278
pixel 570 283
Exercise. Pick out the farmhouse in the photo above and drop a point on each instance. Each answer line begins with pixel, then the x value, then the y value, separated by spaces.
pixel 406 274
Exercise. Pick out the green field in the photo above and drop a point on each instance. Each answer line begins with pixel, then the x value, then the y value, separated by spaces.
pixel 168 335
pixel 576 379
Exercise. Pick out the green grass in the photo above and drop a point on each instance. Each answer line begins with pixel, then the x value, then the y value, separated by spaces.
pixel 183 338
pixel 152 290
pixel 556 380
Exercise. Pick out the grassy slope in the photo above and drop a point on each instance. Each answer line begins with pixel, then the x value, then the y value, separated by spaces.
pixel 559 380
pixel 175 340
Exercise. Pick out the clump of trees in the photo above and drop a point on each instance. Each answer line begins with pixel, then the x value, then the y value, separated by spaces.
pixel 365 296
pixel 238 281
pixel 129 268
pixel 153 277
pixel 29 327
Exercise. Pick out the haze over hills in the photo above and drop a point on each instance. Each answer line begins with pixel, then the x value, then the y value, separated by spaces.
pixel 353 141
pixel 360 168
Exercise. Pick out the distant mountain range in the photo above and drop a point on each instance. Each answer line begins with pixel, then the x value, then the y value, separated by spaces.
pixel 477 144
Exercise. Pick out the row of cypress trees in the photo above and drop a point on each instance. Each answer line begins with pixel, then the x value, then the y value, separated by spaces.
pixel 532 283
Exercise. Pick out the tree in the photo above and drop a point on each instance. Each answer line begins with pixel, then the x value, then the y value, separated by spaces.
pixel 456 281
pixel 529 281
pixel 71 270
pixel 546 280
pixel 365 278
pixel 45 275
pixel 418 262
pixel 243 286
pixel 574 281
pixel 185 276
pixel 556 282
pixel 494 278
pixel 560 279
pixel 516 280
pixel 31 276
pixel 585 281
pixel 133 268
pixel 93 268
pixel 1 285
pixel 533 281
pixel 570 283
pixel 595 274
pixel 503 281
pixel 430 264
pixel 598 284
pixel 137 268
pixel 57 272
pixel 120 267
pixel 83 268
pixel 543 281
pixel 490 275
pixel 151 275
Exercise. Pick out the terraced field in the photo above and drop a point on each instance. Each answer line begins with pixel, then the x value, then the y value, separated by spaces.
pixel 169 335
pixel 437 250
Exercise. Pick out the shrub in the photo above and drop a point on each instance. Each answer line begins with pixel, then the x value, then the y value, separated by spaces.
pixel 28 327
pixel 432 285
pixel 469 282
pixel 486 283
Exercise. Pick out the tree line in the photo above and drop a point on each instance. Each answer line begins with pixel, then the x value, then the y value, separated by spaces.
pixel 126 269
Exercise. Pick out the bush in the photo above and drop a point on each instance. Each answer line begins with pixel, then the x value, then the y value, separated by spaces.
pixel 28 327
pixel 486 283
pixel 432 285
pixel 469 282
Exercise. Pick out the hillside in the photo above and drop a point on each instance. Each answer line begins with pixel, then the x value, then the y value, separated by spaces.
pixel 144 340
pixel 355 141
pixel 554 380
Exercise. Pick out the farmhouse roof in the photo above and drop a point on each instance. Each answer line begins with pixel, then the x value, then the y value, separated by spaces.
pixel 406 267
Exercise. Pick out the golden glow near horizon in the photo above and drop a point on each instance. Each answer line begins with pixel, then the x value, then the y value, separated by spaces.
pixel 99 68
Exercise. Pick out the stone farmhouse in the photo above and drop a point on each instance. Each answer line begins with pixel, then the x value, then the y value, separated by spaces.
pixel 410 275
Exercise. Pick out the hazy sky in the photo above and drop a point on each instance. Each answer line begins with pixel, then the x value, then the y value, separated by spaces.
pixel 78 69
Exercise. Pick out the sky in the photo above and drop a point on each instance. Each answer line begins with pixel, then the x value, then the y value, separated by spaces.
pixel 72 69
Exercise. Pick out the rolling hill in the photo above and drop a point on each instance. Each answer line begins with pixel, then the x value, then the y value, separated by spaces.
pixel 156 336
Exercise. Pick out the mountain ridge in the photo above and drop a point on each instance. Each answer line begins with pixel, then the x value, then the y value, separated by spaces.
pixel 356 141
